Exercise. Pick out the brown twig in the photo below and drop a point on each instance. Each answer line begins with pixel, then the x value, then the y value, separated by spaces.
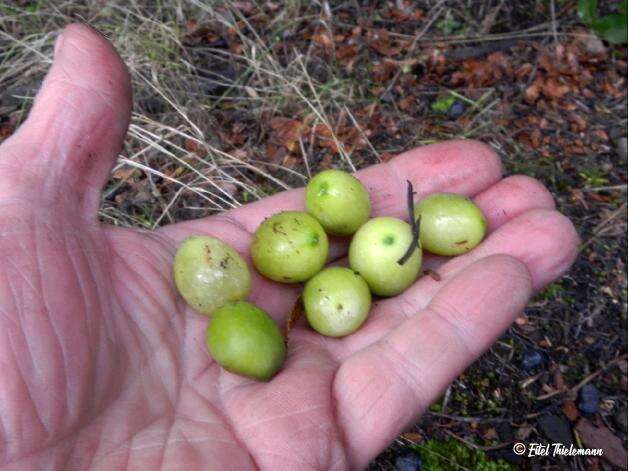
pixel 603 224
pixel 574 390
pixel 414 224
pixel 475 446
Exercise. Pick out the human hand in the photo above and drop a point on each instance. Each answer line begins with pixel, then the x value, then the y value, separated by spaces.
pixel 103 365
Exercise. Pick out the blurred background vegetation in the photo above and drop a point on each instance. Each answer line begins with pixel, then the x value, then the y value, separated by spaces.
pixel 236 100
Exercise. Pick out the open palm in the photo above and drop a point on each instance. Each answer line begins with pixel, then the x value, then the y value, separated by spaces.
pixel 102 365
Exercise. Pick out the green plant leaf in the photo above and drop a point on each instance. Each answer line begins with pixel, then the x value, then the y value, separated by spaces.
pixel 612 28
pixel 587 10
pixel 443 103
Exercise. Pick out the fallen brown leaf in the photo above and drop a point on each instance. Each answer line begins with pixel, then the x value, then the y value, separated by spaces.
pixel 602 437
pixel 570 410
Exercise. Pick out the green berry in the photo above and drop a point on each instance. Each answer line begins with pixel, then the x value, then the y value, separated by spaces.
pixel 450 224
pixel 338 201
pixel 208 273
pixel 289 247
pixel 375 252
pixel 336 301
pixel 245 340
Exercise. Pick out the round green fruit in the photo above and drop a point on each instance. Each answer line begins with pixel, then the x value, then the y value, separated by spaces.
pixel 338 201
pixel 290 247
pixel 337 301
pixel 375 252
pixel 450 224
pixel 245 340
pixel 208 273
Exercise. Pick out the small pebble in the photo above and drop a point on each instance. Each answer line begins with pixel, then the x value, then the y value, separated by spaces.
pixel 409 462
pixel 589 399
pixel 531 359
pixel 456 110
pixel 594 45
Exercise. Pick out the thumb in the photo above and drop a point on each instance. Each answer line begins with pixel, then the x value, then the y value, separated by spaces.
pixel 61 156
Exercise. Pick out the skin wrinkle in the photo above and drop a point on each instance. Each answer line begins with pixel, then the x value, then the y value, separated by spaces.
pixel 399 365
pixel 166 441
pixel 203 371
pixel 86 310
pixel 29 349
pixel 51 325
pixel 24 340
pixel 283 416
pixel 3 433
pixel 156 270
pixel 12 350
pixel 435 310
pixel 210 406
pixel 17 300
pixel 106 327
pixel 194 347
pixel 77 445
pixel 405 306
pixel 337 429
pixel 93 326
pixel 128 454
pixel 119 444
pixel 24 278
pixel 90 463
pixel 5 444
pixel 26 388
pixel 220 408
pixel 141 300
pixel 164 333
pixel 143 287
pixel 160 444
pixel 140 338
pixel 196 452
pixel 172 394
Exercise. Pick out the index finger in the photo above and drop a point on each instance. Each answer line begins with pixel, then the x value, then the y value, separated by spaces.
pixel 464 167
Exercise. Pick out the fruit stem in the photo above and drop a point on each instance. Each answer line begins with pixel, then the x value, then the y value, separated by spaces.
pixel 414 224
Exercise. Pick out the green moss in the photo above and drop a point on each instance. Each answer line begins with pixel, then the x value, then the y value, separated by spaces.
pixel 449 455
pixel 553 291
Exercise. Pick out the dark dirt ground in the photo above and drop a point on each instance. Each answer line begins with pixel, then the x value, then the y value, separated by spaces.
pixel 272 84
